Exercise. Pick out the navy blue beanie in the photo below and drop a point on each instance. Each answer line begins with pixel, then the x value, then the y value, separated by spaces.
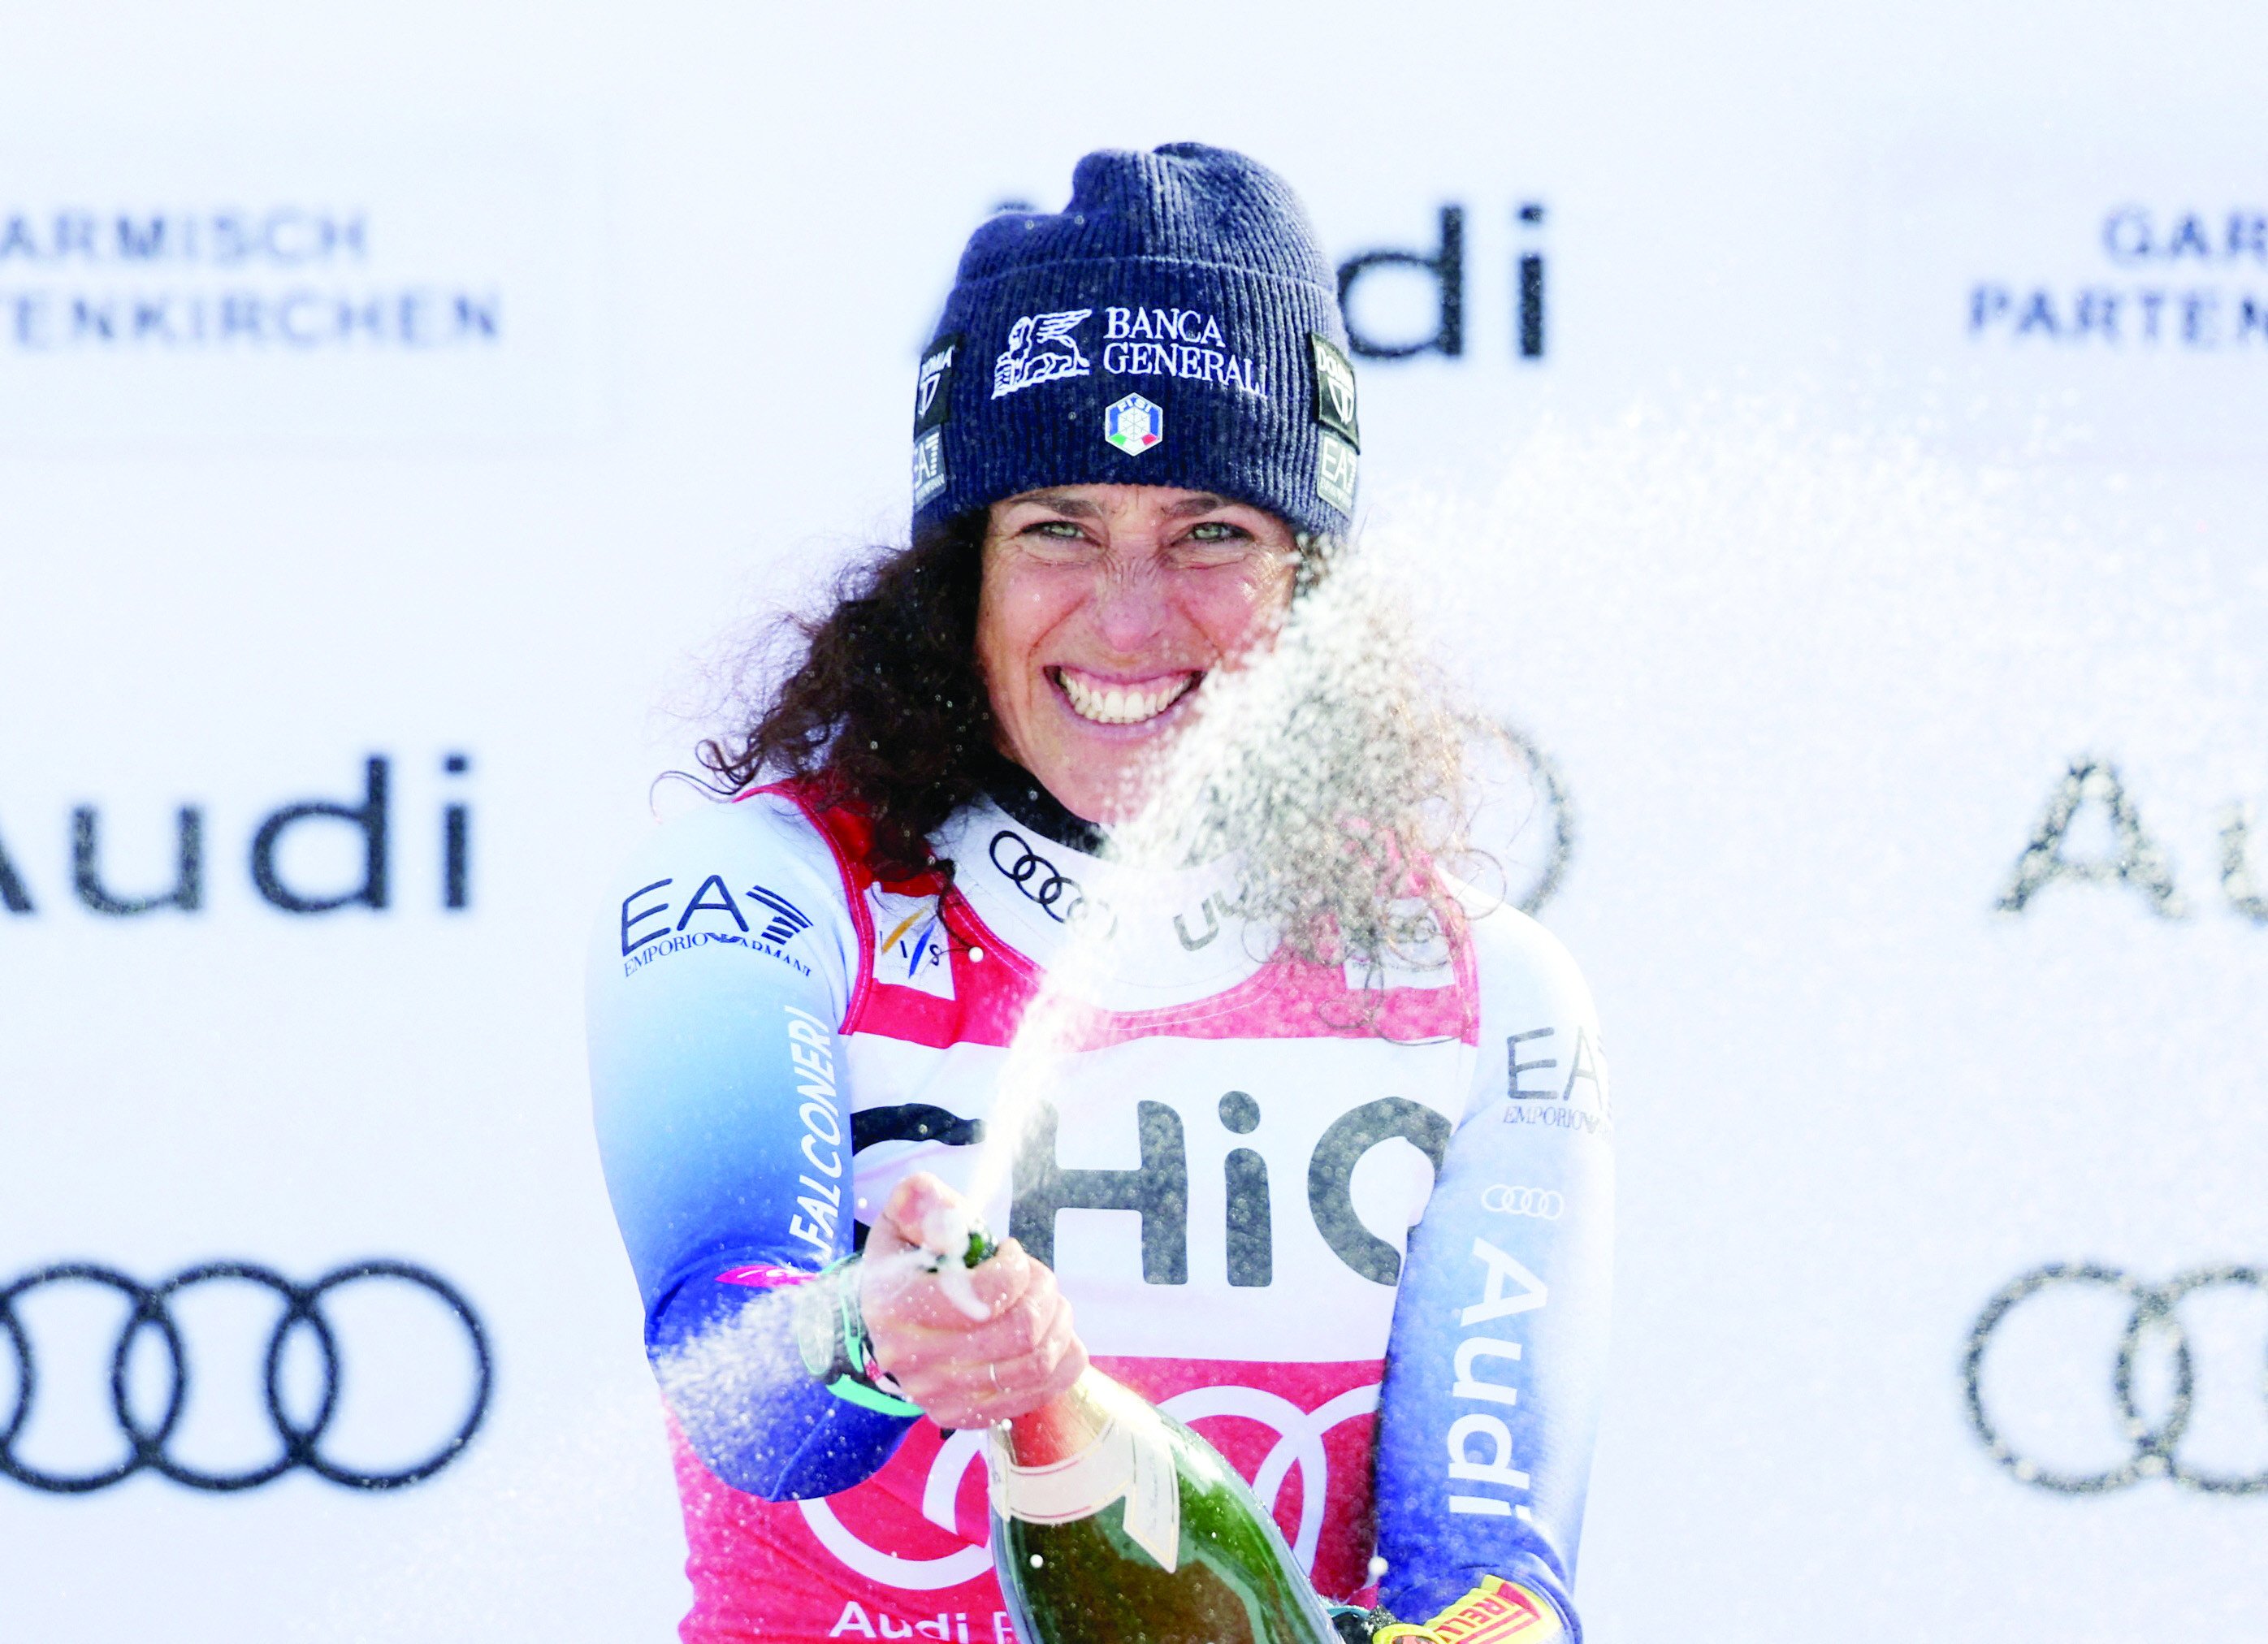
pixel 1175 325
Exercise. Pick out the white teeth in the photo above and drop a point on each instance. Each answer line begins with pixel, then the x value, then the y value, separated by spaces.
pixel 1114 704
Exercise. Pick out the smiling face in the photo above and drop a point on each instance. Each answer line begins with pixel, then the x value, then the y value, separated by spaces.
pixel 1104 607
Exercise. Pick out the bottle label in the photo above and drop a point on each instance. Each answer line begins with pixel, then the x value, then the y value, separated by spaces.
pixel 1153 1496
pixel 1131 1459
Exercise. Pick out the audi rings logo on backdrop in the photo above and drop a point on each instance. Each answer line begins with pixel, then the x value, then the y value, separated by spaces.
pixel 2153 1447
pixel 1058 894
pixel 297 1444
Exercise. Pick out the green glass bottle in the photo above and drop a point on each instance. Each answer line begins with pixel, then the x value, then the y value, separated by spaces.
pixel 1113 1523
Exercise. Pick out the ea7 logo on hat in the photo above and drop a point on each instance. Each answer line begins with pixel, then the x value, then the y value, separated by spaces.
pixel 929 465
pixel 1334 471
pixel 1133 424
pixel 1041 349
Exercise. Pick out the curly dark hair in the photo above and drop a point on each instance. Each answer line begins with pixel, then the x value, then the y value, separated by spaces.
pixel 885 707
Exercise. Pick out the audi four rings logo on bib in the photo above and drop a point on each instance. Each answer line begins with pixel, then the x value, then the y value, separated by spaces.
pixel 1541 1203
pixel 148 1410
pixel 1057 894
pixel 2149 1426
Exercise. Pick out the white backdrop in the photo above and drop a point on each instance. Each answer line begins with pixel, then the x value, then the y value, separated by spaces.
pixel 467 375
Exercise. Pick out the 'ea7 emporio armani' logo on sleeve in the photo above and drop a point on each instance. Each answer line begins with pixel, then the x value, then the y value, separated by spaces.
pixel 1041 349
pixel 787 922
pixel 760 918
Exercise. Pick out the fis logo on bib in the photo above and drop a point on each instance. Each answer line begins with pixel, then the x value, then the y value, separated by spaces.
pixel 1134 424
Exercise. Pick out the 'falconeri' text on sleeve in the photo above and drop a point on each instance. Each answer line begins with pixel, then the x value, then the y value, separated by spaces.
pixel 723 960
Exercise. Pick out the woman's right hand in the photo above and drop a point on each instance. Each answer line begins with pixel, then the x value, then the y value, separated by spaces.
pixel 963 1371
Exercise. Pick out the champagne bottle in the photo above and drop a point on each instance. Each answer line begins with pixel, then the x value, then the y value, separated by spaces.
pixel 1113 1523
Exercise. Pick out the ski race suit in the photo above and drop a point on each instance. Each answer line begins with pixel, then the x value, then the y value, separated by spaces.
pixel 1353 1226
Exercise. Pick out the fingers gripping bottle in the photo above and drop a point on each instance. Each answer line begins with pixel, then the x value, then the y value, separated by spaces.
pixel 1113 1523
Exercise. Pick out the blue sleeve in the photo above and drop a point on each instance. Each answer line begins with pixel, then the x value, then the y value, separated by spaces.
pixel 716 986
pixel 1494 1366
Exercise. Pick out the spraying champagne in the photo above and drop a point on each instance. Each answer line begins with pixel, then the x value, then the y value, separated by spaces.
pixel 1113 1522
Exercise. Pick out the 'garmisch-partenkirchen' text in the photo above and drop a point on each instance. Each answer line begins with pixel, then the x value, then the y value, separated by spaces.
pixel 2183 280
pixel 282 278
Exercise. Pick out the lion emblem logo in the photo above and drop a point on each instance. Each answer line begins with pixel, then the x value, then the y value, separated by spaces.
pixel 1041 349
